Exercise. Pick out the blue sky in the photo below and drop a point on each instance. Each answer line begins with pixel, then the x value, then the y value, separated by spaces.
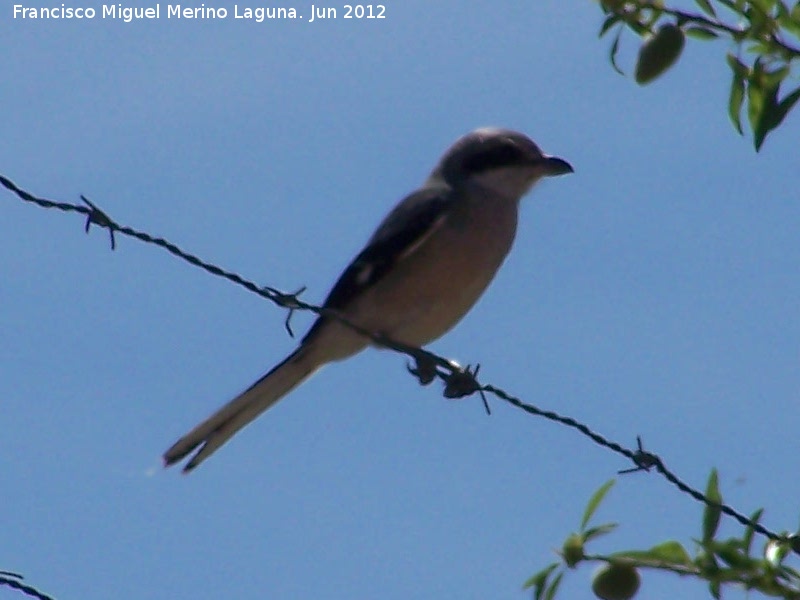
pixel 654 293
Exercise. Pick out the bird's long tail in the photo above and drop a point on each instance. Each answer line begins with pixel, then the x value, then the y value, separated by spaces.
pixel 212 433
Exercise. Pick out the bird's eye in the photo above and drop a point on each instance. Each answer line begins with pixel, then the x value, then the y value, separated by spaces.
pixel 491 158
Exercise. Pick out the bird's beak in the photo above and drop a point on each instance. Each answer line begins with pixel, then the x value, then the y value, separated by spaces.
pixel 552 166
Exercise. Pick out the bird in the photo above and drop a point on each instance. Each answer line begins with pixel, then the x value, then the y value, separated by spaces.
pixel 421 271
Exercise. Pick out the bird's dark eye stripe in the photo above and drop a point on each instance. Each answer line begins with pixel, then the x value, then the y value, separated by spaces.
pixel 499 156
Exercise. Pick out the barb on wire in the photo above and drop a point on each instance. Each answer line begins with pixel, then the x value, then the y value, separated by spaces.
pixel 640 458
pixel 14 581
pixel 465 383
pixel 459 382
pixel 643 459
pixel 289 301
pixel 424 371
pixel 98 217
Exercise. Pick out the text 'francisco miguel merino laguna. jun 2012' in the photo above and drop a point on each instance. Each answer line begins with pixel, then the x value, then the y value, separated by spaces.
pixel 177 11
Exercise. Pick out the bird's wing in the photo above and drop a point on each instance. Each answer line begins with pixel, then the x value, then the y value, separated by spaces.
pixel 403 230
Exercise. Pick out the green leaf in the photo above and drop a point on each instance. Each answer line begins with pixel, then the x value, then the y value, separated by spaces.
pixel 736 98
pixel 700 33
pixel 776 77
pixel 610 5
pixel 730 552
pixel 659 53
pixel 713 587
pixel 595 501
pixel 613 52
pixel 789 19
pixel 735 102
pixel 761 132
pixel 671 552
pixel 747 540
pixel 755 93
pixel 655 15
pixel 706 7
pixel 707 563
pixel 755 107
pixel 762 25
pixel 737 66
pixel 764 6
pixel 551 591
pixel 771 112
pixel 635 20
pixel 760 49
pixel 741 73
pixel 609 22
pixel 782 12
pixel 785 105
pixel 792 22
pixel 712 512
pixel 539 580
pixel 789 572
pixel 794 542
pixel 600 530
pixel 736 6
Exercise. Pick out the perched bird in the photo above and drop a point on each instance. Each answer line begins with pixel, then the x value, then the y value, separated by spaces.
pixel 421 271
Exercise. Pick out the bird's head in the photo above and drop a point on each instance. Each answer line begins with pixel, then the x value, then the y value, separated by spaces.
pixel 502 160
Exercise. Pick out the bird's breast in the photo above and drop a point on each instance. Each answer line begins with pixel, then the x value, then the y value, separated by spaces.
pixel 431 289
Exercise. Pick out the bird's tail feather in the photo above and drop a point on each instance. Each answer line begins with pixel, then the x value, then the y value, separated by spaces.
pixel 223 424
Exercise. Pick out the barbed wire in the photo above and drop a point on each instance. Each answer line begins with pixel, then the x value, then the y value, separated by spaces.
pixel 459 381
pixel 14 581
